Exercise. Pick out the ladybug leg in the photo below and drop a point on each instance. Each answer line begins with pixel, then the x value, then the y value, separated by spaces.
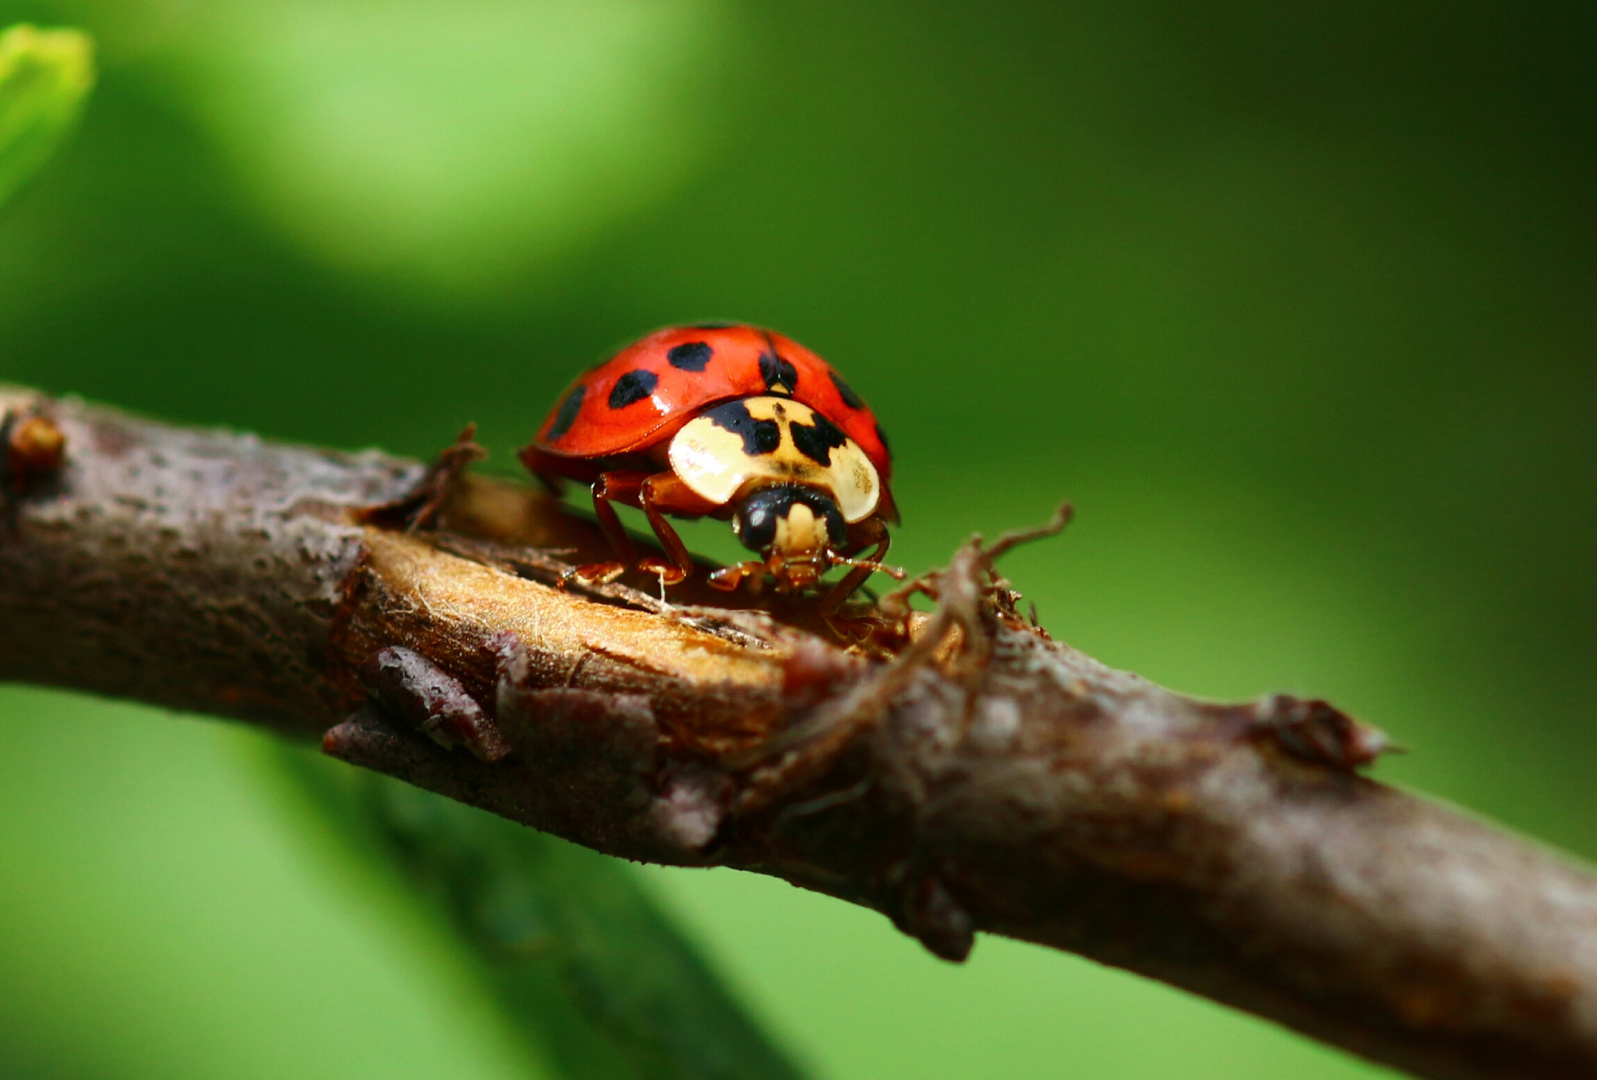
pixel 661 494
pixel 613 487
pixel 656 495
pixel 728 578
pixel 870 531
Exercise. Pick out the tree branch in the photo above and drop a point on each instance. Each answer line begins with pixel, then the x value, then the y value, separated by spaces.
pixel 959 772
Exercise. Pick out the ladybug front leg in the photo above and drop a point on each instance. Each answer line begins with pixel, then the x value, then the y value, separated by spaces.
pixel 860 536
pixel 657 495
pixel 728 578
pixel 661 494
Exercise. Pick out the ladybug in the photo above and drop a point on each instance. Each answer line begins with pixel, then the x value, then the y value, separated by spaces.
pixel 731 422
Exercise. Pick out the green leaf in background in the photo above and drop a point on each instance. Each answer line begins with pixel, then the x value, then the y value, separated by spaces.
pixel 45 76
pixel 585 966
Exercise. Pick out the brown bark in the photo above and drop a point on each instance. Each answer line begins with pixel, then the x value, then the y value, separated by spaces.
pixel 960 772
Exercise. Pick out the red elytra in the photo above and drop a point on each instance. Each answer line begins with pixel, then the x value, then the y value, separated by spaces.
pixel 741 361
pixel 613 428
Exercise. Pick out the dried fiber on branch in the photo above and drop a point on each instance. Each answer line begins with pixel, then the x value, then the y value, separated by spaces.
pixel 959 772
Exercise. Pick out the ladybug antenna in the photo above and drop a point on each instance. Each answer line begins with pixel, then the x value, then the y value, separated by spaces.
pixel 881 568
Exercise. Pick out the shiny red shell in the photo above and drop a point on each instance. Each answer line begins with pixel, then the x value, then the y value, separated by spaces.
pixel 641 396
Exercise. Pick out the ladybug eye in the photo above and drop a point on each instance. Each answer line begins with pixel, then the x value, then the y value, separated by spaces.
pixel 836 527
pixel 755 524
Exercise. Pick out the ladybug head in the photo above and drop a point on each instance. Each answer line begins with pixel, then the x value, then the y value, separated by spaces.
pixel 795 530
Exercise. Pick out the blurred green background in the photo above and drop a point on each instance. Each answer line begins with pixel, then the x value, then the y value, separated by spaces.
pixel 1294 301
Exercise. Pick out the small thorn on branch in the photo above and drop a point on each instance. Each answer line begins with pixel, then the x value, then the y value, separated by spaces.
pixel 32 450
pixel 1318 732
pixel 930 914
pixel 418 508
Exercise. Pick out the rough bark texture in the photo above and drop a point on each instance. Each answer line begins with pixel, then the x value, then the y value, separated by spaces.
pixel 960 772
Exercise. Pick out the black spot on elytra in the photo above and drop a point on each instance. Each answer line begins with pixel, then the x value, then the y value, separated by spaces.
pixel 759 436
pixel 689 356
pixel 712 326
pixel 818 442
pixel 566 415
pixel 635 385
pixel 882 435
pixel 850 398
pixel 777 372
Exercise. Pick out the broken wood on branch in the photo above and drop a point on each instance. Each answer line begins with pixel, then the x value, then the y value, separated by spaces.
pixel 958 772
